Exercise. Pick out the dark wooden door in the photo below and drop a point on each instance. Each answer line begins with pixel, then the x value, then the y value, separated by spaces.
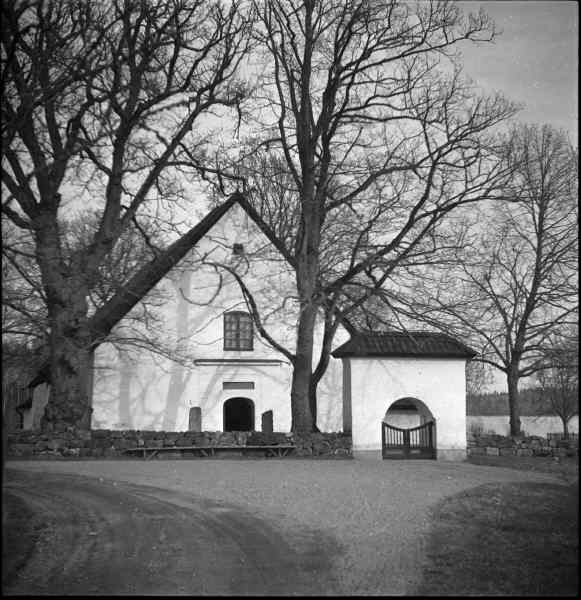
pixel 239 414
pixel 417 442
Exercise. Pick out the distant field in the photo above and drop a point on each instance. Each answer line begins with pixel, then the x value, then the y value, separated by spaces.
pixel 496 403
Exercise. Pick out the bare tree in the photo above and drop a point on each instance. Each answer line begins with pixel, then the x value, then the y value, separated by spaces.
pixel 559 382
pixel 516 284
pixel 366 139
pixel 104 103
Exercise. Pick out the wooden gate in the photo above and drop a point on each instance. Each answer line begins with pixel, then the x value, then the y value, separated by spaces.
pixel 417 442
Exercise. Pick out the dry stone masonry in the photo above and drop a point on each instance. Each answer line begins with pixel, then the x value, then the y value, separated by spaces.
pixel 500 445
pixel 111 444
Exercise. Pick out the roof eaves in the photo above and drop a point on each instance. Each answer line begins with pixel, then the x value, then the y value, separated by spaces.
pixel 391 344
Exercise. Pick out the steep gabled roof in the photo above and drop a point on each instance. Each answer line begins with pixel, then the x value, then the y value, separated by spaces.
pixel 409 343
pixel 149 275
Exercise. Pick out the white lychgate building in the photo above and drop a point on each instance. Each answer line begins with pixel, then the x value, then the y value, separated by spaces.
pixel 204 365
pixel 406 381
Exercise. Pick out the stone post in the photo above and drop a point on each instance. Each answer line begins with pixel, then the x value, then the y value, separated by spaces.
pixel 195 419
pixel 267 422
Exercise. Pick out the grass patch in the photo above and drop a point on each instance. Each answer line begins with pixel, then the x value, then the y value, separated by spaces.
pixel 505 539
pixel 566 467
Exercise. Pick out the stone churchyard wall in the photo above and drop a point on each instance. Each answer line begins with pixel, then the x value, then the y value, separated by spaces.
pixel 500 445
pixel 111 444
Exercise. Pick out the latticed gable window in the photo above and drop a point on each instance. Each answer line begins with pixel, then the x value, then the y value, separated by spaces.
pixel 238 331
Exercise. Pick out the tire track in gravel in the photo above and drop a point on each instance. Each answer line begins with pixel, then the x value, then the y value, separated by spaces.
pixel 103 537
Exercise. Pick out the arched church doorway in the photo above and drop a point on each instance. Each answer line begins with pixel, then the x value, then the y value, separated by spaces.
pixel 239 414
pixel 408 430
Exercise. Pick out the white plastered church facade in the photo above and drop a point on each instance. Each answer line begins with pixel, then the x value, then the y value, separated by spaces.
pixel 206 352
pixel 190 357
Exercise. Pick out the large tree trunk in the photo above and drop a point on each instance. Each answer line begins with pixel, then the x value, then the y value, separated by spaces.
pixel 513 402
pixel 307 273
pixel 70 347
pixel 565 428
pixel 302 420
pixel 71 364
pixel 313 401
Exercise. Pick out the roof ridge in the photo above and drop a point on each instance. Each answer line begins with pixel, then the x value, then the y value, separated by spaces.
pixel 406 332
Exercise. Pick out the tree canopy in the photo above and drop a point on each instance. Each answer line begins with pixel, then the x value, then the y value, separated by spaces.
pixel 354 141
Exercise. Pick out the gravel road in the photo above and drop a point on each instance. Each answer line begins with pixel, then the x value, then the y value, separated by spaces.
pixel 235 527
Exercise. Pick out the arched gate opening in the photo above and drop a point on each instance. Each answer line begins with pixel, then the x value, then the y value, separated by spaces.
pixel 408 430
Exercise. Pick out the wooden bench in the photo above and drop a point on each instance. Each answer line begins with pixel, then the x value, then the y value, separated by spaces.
pixel 270 450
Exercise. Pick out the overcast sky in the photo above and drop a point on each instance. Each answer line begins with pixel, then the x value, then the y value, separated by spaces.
pixel 534 60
